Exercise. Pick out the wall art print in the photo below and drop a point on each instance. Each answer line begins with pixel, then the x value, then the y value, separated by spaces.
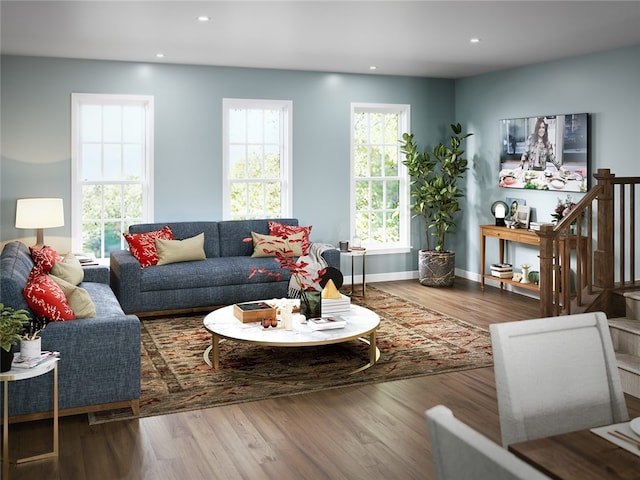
pixel 545 153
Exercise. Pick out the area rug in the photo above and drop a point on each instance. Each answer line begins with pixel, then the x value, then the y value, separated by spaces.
pixel 413 341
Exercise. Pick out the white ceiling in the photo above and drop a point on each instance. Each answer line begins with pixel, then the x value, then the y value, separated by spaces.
pixel 416 38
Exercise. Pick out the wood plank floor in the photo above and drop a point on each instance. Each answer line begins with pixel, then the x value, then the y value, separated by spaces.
pixel 365 432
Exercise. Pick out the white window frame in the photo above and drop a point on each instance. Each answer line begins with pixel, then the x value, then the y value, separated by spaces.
pixel 286 161
pixel 77 182
pixel 404 125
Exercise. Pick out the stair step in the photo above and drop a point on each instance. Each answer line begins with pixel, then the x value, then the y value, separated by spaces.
pixel 629 368
pixel 632 304
pixel 628 362
pixel 626 325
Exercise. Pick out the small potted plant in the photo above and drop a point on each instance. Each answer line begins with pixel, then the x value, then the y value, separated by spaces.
pixel 31 342
pixel 11 328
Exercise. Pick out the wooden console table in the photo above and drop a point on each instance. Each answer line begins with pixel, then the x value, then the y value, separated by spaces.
pixel 528 237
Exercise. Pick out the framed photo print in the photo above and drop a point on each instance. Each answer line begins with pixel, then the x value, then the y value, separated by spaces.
pixel 545 153
pixel 522 216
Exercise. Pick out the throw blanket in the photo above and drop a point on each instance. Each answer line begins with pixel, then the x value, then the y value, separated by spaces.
pixel 316 263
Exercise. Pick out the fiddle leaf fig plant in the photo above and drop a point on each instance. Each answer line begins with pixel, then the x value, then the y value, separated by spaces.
pixel 434 183
pixel 11 326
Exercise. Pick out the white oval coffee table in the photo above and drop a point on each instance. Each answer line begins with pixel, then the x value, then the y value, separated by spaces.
pixel 362 324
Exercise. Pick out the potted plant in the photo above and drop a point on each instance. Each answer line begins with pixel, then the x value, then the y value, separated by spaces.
pixel 435 192
pixel 11 327
pixel 31 342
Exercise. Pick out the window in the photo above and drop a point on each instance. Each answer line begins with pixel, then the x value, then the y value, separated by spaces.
pixel 256 158
pixel 379 186
pixel 112 161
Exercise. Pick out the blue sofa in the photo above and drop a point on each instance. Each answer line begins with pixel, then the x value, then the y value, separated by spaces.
pixel 221 279
pixel 99 365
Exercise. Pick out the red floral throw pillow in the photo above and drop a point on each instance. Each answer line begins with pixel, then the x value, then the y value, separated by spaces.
pixel 46 298
pixel 143 245
pixel 44 258
pixel 281 230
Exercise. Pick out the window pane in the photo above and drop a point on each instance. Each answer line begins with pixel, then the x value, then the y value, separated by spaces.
pixel 274 206
pixel 362 195
pixel 256 198
pixel 272 126
pixel 91 202
pixel 392 195
pixel 133 124
pixel 112 162
pixel 254 167
pixel 112 236
pixel 361 161
pixel 91 123
pixel 237 126
pixel 92 238
pixel 376 161
pixel 254 126
pixel 112 117
pixel 376 128
pixel 377 195
pixel 132 161
pixel 391 162
pixel 238 197
pixel 132 195
pixel 91 161
pixel 237 161
pixel 272 162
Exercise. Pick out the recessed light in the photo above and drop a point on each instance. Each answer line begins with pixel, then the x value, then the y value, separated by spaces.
pixel 160 55
pixel 203 18
pixel 474 40
pixel 373 67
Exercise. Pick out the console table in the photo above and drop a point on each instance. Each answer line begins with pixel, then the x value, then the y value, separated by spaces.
pixel 520 235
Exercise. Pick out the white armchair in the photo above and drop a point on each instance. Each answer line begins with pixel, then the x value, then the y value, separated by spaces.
pixel 555 375
pixel 462 453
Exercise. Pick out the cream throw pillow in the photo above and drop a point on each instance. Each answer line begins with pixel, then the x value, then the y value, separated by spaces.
pixel 268 245
pixel 77 297
pixel 173 251
pixel 69 269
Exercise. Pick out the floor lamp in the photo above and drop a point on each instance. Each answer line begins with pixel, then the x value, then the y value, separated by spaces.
pixel 39 213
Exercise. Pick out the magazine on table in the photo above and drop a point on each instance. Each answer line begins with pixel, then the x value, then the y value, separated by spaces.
pixel 326 323
pixel 18 362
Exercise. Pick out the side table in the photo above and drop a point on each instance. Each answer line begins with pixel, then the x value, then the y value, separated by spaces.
pixel 16 374
pixel 356 252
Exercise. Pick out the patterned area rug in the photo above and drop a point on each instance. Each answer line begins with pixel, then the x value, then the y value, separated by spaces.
pixel 413 341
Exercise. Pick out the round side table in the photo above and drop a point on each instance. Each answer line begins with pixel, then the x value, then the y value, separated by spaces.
pixel 16 374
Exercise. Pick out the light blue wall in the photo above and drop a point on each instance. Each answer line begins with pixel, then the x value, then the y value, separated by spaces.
pixel 35 129
pixel 35 109
pixel 605 85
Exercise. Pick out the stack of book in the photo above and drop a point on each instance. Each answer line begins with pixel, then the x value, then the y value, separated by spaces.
pixel 502 270
pixel 326 323
pixel 332 306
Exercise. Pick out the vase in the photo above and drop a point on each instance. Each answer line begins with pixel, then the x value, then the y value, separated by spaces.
pixel 311 303
pixel 30 349
pixel 6 359
pixel 525 273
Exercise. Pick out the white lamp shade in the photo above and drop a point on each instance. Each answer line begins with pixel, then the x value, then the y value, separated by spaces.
pixel 39 213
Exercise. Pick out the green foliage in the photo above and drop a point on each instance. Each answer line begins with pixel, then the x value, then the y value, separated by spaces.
pixel 11 326
pixel 434 183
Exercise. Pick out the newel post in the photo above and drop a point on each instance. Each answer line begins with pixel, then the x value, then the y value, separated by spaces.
pixel 546 270
pixel 603 256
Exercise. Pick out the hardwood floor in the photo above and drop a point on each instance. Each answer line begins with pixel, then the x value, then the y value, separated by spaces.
pixel 365 432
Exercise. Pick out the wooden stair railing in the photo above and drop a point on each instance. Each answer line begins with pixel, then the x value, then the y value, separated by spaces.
pixel 599 258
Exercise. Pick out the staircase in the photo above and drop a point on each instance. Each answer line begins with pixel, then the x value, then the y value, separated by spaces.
pixel 599 252
pixel 625 333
